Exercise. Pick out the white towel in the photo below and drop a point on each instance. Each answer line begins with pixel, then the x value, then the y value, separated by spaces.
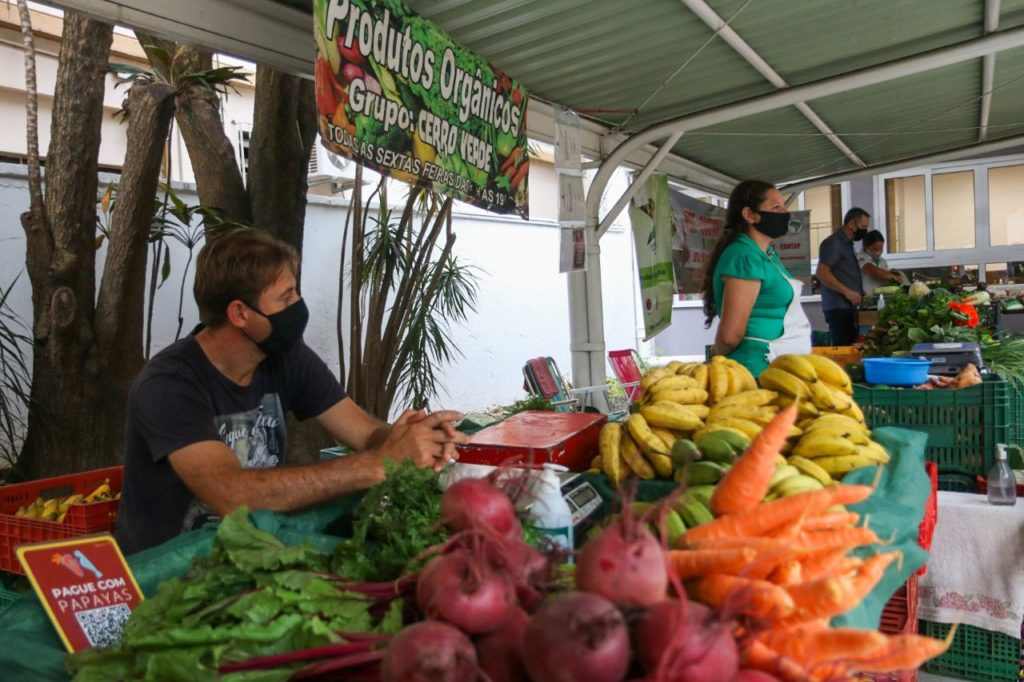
pixel 976 569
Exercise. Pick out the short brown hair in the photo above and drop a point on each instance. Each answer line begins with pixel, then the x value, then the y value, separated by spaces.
pixel 237 266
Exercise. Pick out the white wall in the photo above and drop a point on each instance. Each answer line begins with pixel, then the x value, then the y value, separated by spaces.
pixel 522 311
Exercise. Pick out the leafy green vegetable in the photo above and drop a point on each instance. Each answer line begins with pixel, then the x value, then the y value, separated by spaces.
pixel 394 523
pixel 906 320
pixel 252 596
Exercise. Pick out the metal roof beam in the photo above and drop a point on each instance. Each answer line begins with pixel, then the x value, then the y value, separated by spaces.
pixel 988 68
pixel 727 33
pixel 909 162
pixel 899 68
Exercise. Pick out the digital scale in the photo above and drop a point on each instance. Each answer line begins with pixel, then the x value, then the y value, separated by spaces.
pixel 948 359
pixel 584 501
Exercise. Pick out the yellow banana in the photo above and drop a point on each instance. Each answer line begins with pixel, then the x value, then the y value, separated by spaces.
pixel 689 396
pixel 652 376
pixel 842 400
pixel 634 459
pixel 874 452
pixel 835 420
pixel 747 381
pixel 50 512
pixel 745 426
pixel 664 435
pixel 759 415
pixel 598 462
pixel 675 366
pixel 609 443
pixel 805 408
pixel 644 437
pixel 809 468
pixel 812 447
pixel 102 489
pixel 838 466
pixel 798 366
pixel 834 430
pixel 821 396
pixel 794 485
pixel 830 372
pixel 718 381
pixel 700 411
pixel 662 464
pixel 784 382
pixel 855 413
pixel 781 474
pixel 700 375
pixel 756 398
pixel 669 415
pixel 675 381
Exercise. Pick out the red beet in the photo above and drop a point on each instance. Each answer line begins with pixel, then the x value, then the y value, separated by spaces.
pixel 430 652
pixel 501 652
pixel 475 502
pixel 625 564
pixel 465 592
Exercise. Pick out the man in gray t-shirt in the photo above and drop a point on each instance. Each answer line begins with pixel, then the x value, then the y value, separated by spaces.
pixel 842 289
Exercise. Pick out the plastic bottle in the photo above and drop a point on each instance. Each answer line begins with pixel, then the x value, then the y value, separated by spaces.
pixel 1002 487
pixel 881 302
pixel 550 513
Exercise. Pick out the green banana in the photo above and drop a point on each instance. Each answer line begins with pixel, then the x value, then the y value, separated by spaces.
pixel 704 473
pixel 716 449
pixel 737 442
pixel 701 493
pixel 684 452
pixel 693 512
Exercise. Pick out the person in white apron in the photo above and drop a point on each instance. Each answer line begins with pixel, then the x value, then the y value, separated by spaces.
pixel 748 288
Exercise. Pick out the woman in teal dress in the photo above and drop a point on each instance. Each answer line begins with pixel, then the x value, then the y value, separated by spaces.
pixel 747 286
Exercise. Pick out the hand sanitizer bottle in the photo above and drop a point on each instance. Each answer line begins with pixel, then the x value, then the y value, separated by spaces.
pixel 550 513
pixel 1002 487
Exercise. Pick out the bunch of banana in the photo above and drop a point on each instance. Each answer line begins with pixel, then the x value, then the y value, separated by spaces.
pixel 837 444
pixel 789 479
pixel 56 508
pixel 634 447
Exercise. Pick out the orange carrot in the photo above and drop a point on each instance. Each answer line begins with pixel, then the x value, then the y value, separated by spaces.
pixel 757 544
pixel 756 655
pixel 834 594
pixel 693 563
pixel 812 645
pixel 746 483
pixel 830 521
pixel 770 515
pixel 755 598
pixel 904 652
pixel 838 537
pixel 823 561
pixel 788 573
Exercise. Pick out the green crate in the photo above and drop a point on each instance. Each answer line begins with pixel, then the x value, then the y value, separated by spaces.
pixel 975 654
pixel 963 425
pixel 1016 434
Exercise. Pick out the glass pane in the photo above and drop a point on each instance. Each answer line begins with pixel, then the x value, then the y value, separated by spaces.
pixel 996 273
pixel 818 200
pixel 1005 210
pixel 905 217
pixel 947 276
pixel 953 210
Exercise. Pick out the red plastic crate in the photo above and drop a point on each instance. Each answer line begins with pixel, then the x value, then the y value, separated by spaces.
pixel 81 519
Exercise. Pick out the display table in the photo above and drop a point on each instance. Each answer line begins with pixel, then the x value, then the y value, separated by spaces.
pixel 976 572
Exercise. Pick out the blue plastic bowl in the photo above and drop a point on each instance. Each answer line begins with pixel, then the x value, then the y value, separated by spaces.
pixel 896 371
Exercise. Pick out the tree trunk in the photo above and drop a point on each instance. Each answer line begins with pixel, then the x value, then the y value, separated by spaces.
pixel 121 302
pixel 283 130
pixel 62 431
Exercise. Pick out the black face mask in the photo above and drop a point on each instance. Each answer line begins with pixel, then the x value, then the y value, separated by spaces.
pixel 859 234
pixel 286 328
pixel 773 225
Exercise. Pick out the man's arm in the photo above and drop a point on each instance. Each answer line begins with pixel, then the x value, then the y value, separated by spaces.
pixel 212 472
pixel 825 276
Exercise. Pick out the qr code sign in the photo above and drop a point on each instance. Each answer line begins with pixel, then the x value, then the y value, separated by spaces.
pixel 103 627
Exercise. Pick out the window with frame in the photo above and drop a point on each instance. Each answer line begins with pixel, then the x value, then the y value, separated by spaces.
pixel 1005 209
pixel 826 206
pixel 953 210
pixel 906 222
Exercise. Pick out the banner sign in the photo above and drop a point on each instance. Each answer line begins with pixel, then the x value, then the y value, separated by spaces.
pixel 698 226
pixel 85 586
pixel 650 212
pixel 795 248
pixel 398 95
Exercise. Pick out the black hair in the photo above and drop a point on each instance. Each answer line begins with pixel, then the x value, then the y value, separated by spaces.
pixel 872 237
pixel 748 194
pixel 855 213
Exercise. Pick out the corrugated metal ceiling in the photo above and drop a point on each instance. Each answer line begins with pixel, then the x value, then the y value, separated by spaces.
pixel 634 64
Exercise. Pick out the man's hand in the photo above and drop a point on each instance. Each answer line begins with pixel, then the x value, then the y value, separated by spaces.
pixel 894 276
pixel 854 297
pixel 427 439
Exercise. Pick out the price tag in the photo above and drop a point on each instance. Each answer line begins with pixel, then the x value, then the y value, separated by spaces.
pixel 85 586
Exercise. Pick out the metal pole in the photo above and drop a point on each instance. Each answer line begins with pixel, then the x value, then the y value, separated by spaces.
pixel 637 183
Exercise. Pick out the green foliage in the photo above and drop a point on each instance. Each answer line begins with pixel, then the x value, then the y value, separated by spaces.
pixel 905 321
pixel 533 402
pixel 15 378
pixel 394 523
pixel 252 596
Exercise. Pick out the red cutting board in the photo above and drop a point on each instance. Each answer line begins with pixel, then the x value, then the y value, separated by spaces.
pixel 566 438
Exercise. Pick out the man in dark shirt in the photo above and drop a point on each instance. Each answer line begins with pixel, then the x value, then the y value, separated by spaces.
pixel 839 273
pixel 205 430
